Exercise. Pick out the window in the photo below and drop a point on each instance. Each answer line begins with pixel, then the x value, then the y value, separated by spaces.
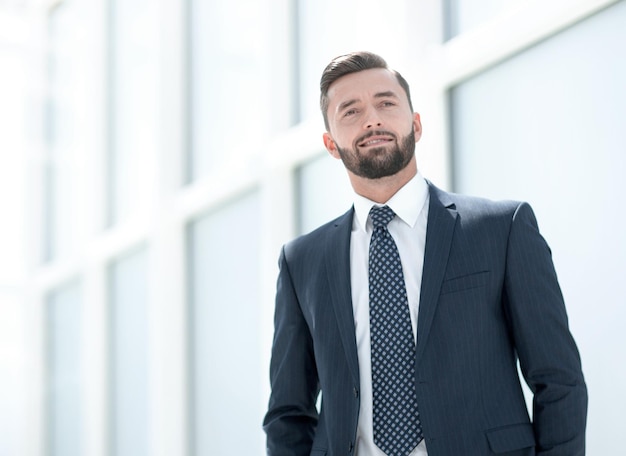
pixel 64 342
pixel 130 383
pixel 133 106
pixel 324 192
pixel 231 110
pixel 224 255
pixel 59 200
pixel 464 15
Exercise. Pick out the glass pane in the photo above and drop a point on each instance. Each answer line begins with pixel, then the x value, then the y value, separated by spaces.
pixel 129 355
pixel 61 21
pixel 324 192
pixel 134 105
pixel 464 15
pixel 59 217
pixel 64 310
pixel 230 107
pixel 547 126
pixel 227 399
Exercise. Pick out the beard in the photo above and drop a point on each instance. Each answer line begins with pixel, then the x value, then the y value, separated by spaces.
pixel 379 162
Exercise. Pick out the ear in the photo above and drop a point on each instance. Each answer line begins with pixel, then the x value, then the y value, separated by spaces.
pixel 417 126
pixel 330 145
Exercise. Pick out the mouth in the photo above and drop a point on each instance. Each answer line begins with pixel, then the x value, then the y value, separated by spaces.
pixel 375 140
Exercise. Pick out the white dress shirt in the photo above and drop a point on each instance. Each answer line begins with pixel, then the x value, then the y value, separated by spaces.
pixel 408 230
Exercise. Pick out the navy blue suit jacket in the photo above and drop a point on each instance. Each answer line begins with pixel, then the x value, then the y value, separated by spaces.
pixel 489 297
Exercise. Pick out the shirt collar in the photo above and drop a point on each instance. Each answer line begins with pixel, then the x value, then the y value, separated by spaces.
pixel 407 203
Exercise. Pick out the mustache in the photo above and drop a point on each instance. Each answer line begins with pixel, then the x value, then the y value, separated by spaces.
pixel 369 134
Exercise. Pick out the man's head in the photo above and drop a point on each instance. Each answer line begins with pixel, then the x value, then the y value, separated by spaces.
pixel 353 63
pixel 369 118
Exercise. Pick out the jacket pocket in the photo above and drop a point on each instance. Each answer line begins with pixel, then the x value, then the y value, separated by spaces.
pixel 466 282
pixel 511 438
pixel 319 452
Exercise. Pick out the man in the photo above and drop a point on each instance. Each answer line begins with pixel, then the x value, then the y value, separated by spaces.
pixel 417 354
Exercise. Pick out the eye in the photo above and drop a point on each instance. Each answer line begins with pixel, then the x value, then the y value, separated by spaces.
pixel 350 112
pixel 388 104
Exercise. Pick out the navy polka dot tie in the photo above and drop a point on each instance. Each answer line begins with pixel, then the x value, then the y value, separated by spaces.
pixel 397 428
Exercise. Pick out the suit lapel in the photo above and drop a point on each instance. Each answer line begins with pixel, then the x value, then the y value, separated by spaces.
pixel 338 271
pixel 442 217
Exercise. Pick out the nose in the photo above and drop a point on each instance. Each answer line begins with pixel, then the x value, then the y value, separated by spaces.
pixel 372 119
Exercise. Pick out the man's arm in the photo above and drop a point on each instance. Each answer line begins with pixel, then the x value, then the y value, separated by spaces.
pixel 548 355
pixel 291 417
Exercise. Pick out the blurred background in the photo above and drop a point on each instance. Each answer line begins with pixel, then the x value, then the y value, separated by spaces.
pixel 155 155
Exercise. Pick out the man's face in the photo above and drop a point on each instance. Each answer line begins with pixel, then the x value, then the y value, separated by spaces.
pixel 372 128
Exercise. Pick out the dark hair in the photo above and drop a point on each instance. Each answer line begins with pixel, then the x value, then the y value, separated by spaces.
pixel 353 63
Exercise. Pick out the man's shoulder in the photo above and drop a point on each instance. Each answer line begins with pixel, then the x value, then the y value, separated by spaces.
pixel 474 206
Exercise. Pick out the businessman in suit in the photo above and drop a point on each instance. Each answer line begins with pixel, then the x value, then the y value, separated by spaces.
pixel 410 312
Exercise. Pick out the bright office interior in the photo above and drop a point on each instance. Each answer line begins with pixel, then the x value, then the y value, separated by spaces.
pixel 155 155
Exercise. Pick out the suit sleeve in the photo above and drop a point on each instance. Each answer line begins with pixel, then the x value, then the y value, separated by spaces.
pixel 292 417
pixel 548 355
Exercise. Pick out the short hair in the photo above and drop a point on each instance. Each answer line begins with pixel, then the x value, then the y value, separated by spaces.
pixel 353 63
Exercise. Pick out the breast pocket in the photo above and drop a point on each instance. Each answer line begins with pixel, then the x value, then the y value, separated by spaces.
pixel 465 282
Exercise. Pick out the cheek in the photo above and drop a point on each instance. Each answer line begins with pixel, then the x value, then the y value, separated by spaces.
pixel 344 137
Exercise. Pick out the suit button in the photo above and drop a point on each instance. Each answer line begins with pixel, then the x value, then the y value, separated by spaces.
pixel 350 447
pixel 356 392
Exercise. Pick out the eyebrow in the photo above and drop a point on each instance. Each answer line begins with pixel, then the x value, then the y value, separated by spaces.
pixel 349 103
pixel 346 104
pixel 386 94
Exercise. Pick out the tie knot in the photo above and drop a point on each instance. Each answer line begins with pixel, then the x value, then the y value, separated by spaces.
pixel 381 216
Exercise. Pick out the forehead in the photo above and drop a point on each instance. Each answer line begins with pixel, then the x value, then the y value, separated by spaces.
pixel 363 84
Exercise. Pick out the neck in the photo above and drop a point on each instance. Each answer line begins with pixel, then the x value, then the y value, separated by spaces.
pixel 381 190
